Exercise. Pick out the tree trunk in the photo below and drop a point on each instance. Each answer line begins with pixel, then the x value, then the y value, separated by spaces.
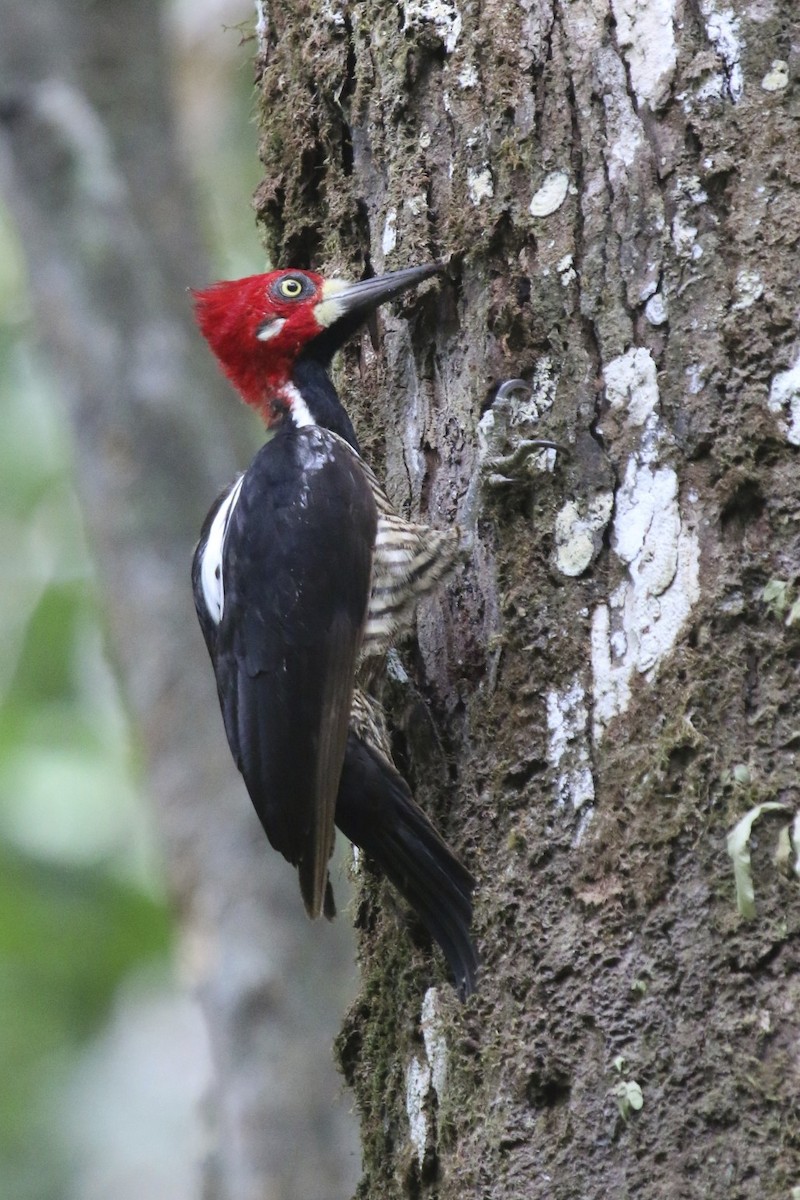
pixel 90 167
pixel 604 691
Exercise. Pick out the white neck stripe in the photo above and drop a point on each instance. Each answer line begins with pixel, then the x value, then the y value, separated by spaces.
pixel 298 409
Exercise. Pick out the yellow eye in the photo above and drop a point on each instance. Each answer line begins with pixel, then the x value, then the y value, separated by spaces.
pixel 291 288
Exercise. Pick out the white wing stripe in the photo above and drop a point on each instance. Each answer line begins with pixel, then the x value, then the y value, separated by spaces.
pixel 211 579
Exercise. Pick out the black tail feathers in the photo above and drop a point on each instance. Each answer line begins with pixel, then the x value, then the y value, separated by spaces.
pixel 375 810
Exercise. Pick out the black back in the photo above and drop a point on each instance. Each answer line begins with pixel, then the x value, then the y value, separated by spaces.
pixel 296 572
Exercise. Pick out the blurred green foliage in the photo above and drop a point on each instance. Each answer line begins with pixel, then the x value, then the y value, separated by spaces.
pixel 81 908
pixel 78 905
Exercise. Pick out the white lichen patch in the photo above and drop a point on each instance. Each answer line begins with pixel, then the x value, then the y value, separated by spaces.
pixel 784 402
pixel 330 12
pixel 748 287
pixel 640 624
pixel 712 89
pixel 688 194
pixel 395 669
pixel 689 186
pixel 656 310
pixel 442 14
pixel 723 31
pixel 646 535
pixel 568 745
pixel 416 205
pixel 695 378
pixel 435 1042
pixel 543 390
pixel 418 1085
pixel 684 237
pixel 625 132
pixel 389 239
pixel 657 542
pixel 551 195
pixel 566 270
pixel 777 77
pixel 468 78
pixel 262 24
pixel 579 533
pixel 646 33
pixel 480 185
pixel 630 382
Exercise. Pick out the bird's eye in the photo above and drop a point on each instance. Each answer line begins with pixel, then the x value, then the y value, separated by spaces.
pixel 291 288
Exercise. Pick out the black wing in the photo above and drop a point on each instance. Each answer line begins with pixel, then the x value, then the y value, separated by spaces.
pixel 295 581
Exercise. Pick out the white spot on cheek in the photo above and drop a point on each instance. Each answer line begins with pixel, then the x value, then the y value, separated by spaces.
pixel 211 578
pixel 269 331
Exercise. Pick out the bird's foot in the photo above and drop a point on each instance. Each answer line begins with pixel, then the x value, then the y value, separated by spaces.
pixel 506 470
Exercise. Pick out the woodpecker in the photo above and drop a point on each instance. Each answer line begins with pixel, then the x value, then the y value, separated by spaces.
pixel 303 574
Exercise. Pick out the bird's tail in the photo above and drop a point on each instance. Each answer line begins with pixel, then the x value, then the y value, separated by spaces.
pixel 376 812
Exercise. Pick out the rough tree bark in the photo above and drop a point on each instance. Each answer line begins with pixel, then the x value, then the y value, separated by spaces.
pixel 90 167
pixel 605 689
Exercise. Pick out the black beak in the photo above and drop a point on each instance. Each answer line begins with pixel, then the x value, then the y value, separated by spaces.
pixel 352 304
pixel 363 297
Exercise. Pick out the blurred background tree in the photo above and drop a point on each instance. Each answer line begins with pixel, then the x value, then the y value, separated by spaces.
pixel 127 159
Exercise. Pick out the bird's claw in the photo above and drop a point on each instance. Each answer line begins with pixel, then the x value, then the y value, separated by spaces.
pixel 507 469
pixel 509 386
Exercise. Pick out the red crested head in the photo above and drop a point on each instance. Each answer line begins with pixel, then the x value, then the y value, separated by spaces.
pixel 257 328
pixel 260 327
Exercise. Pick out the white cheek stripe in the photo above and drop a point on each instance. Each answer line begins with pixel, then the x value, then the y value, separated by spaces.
pixel 211 579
